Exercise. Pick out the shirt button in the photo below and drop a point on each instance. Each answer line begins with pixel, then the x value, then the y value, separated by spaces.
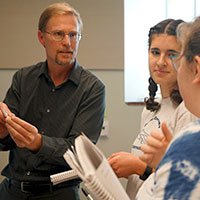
pixel 28 173
pixel 53 90
pixel 48 110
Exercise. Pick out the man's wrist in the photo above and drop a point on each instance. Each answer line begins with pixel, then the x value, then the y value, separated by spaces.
pixel 37 143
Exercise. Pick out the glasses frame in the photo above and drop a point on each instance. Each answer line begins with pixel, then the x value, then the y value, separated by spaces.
pixel 174 60
pixel 73 36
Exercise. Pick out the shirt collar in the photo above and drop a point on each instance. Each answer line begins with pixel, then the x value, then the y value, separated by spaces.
pixel 43 70
pixel 74 75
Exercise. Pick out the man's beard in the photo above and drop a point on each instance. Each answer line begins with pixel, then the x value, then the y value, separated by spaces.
pixel 62 62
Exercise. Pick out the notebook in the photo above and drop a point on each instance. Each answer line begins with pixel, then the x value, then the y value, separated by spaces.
pixel 92 167
pixel 63 176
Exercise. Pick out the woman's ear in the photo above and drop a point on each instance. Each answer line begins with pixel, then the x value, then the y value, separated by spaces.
pixel 197 69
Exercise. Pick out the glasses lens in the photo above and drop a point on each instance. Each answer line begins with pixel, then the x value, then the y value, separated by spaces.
pixel 174 58
pixel 58 35
pixel 74 36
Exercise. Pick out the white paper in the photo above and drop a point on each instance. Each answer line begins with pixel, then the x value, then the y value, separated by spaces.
pixel 95 171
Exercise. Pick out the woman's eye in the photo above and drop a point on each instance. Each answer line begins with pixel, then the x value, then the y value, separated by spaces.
pixel 173 56
pixel 155 52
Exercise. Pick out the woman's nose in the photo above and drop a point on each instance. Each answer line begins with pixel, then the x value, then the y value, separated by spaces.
pixel 162 61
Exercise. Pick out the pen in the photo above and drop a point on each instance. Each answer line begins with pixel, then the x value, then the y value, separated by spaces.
pixel 5 114
pixel 87 195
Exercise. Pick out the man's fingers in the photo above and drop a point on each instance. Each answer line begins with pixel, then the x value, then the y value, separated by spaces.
pixel 5 110
pixel 18 132
pixel 28 127
pixel 15 135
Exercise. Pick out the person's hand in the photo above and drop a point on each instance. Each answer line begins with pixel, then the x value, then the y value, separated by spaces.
pixel 24 134
pixel 4 112
pixel 125 164
pixel 156 146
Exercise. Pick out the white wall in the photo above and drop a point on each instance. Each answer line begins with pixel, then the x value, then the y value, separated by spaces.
pixel 102 34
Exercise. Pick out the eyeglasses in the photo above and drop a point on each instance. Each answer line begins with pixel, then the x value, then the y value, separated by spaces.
pixel 60 35
pixel 175 58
